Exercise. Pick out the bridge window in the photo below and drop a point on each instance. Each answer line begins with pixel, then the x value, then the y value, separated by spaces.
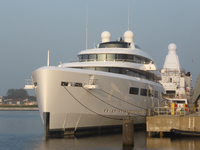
pixel 114 57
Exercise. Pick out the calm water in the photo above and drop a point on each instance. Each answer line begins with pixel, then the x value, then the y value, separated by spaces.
pixel 23 130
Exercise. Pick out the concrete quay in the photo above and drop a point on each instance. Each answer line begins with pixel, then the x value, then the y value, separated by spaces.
pixel 164 123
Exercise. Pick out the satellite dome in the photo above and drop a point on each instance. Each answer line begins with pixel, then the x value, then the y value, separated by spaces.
pixel 105 36
pixel 128 36
pixel 172 47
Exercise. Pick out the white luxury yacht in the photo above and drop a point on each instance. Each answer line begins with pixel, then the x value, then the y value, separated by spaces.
pixel 98 90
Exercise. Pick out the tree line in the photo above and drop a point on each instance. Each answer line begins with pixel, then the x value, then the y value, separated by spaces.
pixel 18 94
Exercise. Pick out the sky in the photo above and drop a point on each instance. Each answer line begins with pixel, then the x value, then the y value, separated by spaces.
pixel 28 29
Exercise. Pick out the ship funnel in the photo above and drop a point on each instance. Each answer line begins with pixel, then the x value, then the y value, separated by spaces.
pixel 48 64
pixel 105 36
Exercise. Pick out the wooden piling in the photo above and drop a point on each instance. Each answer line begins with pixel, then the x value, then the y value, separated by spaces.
pixel 128 132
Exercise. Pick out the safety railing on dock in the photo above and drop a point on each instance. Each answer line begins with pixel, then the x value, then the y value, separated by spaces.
pixel 172 111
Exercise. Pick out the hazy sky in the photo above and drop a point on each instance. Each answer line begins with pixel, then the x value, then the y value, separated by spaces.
pixel 28 29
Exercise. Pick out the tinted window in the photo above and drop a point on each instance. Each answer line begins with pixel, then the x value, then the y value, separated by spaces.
pixel 85 56
pixel 101 57
pixel 110 56
pixel 114 44
pixel 134 90
pixel 143 92
pixel 137 59
pixel 114 70
pixel 121 56
pixel 102 69
pixel 92 56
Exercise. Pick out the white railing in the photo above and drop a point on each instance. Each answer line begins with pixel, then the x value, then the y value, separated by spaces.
pixel 115 60
pixel 29 84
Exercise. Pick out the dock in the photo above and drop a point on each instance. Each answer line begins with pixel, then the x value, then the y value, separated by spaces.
pixel 164 122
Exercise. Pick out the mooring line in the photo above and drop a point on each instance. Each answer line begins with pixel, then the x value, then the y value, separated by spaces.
pixel 112 105
pixel 121 99
pixel 89 108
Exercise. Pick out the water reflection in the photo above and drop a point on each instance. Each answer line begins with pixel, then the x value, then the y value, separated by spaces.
pixel 190 143
pixel 24 130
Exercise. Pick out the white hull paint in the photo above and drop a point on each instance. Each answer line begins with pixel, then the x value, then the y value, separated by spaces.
pixel 70 113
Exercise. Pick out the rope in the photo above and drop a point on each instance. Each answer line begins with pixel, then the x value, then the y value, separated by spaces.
pixel 121 99
pixel 112 105
pixel 87 107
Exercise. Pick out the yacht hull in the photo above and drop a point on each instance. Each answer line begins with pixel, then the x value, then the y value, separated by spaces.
pixel 73 108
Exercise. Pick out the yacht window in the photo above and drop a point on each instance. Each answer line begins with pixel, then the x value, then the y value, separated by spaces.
pixel 101 57
pixel 137 59
pixel 92 57
pixel 114 44
pixel 151 93
pixel 121 56
pixel 110 56
pixel 134 90
pixel 124 71
pixel 143 92
pixel 136 46
pixel 105 69
pixel 114 70
pixel 89 68
pixel 129 57
pixel 85 56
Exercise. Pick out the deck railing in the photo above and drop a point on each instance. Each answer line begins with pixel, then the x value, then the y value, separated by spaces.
pixel 175 111
pixel 115 60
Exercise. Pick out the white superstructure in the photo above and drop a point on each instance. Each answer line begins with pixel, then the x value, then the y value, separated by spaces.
pixel 176 83
pixel 99 89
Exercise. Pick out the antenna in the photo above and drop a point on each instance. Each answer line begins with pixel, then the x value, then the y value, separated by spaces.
pixel 192 62
pixel 48 64
pixel 86 26
pixel 128 17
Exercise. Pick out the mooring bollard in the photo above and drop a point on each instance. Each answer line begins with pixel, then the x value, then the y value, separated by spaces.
pixel 128 132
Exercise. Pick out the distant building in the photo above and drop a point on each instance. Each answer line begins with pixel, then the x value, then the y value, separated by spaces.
pixel 16 101
pixel 33 103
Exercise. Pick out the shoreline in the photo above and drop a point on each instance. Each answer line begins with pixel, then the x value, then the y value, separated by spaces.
pixel 19 109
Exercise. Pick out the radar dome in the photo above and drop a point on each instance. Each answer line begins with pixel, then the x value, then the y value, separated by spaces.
pixel 172 47
pixel 128 36
pixel 105 36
